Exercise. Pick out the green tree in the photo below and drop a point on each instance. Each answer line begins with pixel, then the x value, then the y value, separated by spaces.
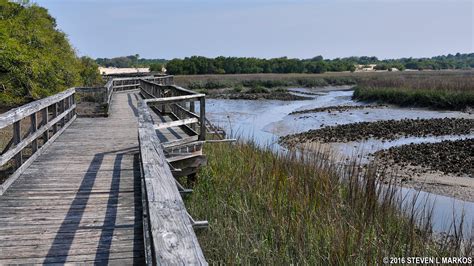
pixel 36 59
pixel 156 67
pixel 89 72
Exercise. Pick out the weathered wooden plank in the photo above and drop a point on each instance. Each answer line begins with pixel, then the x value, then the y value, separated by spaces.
pixel 202 118
pixel 174 240
pixel 176 123
pixel 80 235
pixel 174 99
pixel 119 258
pixel 180 141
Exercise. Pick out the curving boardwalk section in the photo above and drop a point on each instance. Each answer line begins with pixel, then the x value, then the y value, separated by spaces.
pixel 80 201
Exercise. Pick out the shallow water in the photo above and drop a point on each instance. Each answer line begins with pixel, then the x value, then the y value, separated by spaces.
pixel 264 121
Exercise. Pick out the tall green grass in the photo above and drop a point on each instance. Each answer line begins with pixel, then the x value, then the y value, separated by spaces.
pixel 271 209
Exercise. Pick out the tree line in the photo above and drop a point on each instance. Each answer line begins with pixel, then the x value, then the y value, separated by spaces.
pixel 243 65
pixel 36 59
pixel 196 65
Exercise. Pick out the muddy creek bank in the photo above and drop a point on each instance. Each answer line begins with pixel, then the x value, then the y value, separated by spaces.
pixel 385 130
pixel 450 157
pixel 337 108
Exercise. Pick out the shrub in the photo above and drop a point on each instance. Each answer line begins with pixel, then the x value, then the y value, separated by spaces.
pixel 258 89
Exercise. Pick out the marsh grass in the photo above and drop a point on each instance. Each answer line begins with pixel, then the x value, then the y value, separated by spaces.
pixel 265 208
pixel 211 82
pixel 436 99
pixel 436 89
pixel 454 91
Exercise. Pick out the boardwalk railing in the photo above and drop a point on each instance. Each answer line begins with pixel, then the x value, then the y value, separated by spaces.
pixel 103 94
pixel 172 240
pixel 178 102
pixel 123 84
pixel 33 127
pixel 120 84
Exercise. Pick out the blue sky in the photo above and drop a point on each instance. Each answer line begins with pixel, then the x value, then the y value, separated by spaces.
pixel 265 28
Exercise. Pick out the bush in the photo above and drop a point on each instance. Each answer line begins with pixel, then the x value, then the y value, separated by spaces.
pixel 238 88
pixel 258 89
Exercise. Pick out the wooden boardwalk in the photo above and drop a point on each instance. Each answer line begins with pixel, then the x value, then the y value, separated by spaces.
pixel 103 190
pixel 80 201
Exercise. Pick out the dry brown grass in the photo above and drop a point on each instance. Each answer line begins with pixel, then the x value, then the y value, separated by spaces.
pixel 444 76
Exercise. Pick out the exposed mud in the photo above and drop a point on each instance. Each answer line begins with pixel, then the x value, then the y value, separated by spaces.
pixel 449 157
pixel 337 108
pixel 385 130
pixel 444 168
pixel 282 96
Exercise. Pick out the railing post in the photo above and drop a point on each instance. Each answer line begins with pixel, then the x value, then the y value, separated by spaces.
pixel 106 94
pixel 62 105
pixel 34 127
pixel 161 95
pixel 202 118
pixel 73 101
pixel 192 109
pixel 44 122
pixel 66 106
pixel 16 141
pixel 69 106
pixel 55 114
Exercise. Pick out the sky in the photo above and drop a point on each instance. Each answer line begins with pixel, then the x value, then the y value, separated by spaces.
pixel 265 28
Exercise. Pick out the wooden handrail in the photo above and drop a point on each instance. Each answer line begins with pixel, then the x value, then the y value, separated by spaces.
pixel 174 99
pixel 23 111
pixel 63 112
pixel 173 240
pixel 8 155
pixel 180 90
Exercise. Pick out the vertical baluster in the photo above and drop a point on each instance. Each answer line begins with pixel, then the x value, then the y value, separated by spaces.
pixel 16 140
pixel 63 108
pixel 34 127
pixel 55 114
pixel 73 101
pixel 69 104
pixel 44 122
pixel 162 94
pixel 191 109
pixel 66 106
pixel 202 118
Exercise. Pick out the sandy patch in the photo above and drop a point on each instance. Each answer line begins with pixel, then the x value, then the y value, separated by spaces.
pixel 459 187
